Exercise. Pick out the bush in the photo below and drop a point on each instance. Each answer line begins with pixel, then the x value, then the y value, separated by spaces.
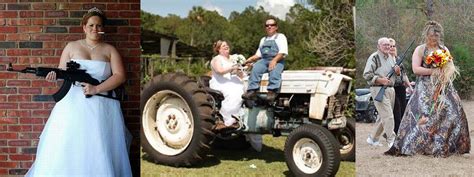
pixel 465 81
pixel 162 65
pixel 349 112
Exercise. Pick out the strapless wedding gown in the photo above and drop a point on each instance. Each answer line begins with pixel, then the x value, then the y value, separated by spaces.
pixel 428 131
pixel 84 136
pixel 232 88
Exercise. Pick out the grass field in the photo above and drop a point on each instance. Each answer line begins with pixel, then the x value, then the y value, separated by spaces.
pixel 269 162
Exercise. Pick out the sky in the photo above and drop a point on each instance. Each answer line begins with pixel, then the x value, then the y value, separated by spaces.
pixel 278 8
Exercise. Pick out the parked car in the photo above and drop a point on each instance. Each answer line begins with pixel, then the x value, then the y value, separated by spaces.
pixel 365 107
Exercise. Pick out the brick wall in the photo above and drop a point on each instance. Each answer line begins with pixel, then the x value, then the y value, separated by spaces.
pixel 33 33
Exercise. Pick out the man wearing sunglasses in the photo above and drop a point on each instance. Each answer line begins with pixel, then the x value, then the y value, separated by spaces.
pixel 269 57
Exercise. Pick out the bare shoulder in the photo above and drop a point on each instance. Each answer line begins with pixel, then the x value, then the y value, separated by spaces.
pixel 420 47
pixel 445 48
pixel 216 57
pixel 107 45
pixel 111 51
pixel 70 46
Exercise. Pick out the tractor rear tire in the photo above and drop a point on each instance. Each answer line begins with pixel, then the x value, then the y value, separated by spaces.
pixel 176 120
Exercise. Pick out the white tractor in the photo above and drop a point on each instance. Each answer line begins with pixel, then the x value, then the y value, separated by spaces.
pixel 179 114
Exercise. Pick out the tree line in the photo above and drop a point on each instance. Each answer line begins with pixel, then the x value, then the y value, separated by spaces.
pixel 404 21
pixel 319 33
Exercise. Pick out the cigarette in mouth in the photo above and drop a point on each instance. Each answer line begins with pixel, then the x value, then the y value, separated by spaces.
pixel 100 32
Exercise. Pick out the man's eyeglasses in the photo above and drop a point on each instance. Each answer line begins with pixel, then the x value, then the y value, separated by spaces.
pixel 269 25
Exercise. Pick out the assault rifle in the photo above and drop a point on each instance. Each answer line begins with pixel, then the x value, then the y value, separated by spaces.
pixel 379 96
pixel 71 75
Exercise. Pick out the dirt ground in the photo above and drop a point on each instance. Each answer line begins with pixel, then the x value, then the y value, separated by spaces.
pixel 370 160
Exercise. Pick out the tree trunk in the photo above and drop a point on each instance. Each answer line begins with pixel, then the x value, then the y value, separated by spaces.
pixel 429 9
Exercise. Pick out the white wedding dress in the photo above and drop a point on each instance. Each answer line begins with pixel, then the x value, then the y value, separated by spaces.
pixel 232 88
pixel 84 136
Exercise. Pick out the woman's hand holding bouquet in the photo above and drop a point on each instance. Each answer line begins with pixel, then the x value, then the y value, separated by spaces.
pixel 238 61
pixel 443 75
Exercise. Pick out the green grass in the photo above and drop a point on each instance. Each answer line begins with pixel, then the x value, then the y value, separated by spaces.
pixel 269 162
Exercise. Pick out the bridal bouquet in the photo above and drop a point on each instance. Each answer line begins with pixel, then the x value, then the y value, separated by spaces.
pixel 237 59
pixel 439 58
pixel 443 75
pixel 240 60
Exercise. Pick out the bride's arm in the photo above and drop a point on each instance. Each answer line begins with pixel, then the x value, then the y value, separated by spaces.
pixel 65 57
pixel 117 78
pixel 417 60
pixel 216 65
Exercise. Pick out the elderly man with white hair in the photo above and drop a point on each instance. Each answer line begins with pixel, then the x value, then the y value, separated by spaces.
pixel 376 69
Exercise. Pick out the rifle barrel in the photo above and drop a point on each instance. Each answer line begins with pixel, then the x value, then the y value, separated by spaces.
pixel 379 96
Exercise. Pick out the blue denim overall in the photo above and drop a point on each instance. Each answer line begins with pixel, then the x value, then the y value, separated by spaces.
pixel 269 49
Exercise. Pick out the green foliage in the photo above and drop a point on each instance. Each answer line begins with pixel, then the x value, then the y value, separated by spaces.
pixel 247 30
pixel 243 30
pixel 145 16
pixel 462 59
pixel 206 27
pixel 349 111
pixel 189 67
pixel 332 35
pixel 161 65
pixel 385 19
pixel 166 25
pixel 404 21
pixel 300 21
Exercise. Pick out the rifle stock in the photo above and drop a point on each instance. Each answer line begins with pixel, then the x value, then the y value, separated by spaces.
pixel 381 92
pixel 379 96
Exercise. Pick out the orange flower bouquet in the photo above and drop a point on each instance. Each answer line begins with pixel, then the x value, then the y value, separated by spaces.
pixel 438 58
pixel 443 75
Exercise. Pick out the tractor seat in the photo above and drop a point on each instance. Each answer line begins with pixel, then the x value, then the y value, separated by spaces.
pixel 218 95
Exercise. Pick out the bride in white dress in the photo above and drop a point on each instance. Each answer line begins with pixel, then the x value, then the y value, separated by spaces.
pixel 86 136
pixel 229 84
pixel 226 78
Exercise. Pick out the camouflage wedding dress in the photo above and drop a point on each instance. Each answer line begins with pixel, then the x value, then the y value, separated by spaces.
pixel 429 131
